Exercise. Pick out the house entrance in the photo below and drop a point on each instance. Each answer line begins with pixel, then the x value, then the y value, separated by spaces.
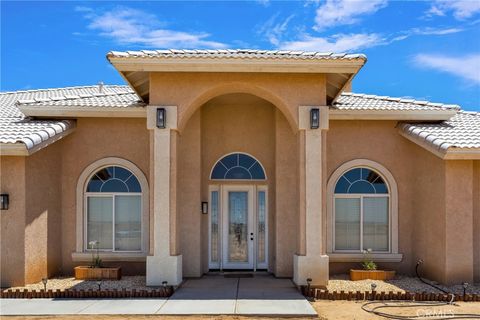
pixel 238 224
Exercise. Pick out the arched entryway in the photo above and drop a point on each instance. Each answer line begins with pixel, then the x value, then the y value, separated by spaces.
pixel 229 153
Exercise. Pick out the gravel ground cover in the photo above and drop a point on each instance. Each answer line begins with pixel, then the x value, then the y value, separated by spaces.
pixel 400 283
pixel 336 283
pixel 127 282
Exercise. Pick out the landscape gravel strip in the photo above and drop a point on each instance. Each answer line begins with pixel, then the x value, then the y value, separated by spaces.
pixel 400 283
pixel 336 283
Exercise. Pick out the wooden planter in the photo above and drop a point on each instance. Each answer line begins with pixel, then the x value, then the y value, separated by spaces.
pixel 371 274
pixel 88 273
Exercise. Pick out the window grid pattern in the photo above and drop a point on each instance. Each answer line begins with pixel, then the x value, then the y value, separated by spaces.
pixel 238 166
pixel 113 179
pixel 362 214
pixel 114 210
pixel 361 180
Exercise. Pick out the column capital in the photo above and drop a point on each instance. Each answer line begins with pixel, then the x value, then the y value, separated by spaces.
pixel 171 117
pixel 304 117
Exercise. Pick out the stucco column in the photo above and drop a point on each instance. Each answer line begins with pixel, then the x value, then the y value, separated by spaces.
pixel 312 263
pixel 163 266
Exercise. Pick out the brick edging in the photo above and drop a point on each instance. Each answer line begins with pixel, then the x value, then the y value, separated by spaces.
pixel 73 294
pixel 373 295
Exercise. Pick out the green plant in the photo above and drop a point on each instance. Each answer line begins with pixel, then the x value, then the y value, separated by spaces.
pixel 96 261
pixel 368 263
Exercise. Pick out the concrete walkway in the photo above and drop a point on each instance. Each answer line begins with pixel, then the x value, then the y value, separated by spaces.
pixel 209 295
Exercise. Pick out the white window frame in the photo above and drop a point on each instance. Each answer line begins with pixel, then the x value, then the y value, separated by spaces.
pixel 111 195
pixel 83 252
pixel 352 256
pixel 361 196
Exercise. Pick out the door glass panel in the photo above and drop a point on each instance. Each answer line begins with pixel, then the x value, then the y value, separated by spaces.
pixel 214 227
pixel 238 226
pixel 261 227
pixel 347 224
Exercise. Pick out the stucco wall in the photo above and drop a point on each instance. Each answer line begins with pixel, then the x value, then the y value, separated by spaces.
pixel 92 140
pixel 12 222
pixel 378 141
pixel 43 232
pixel 436 199
pixel 459 221
pixel 476 221
pixel 428 223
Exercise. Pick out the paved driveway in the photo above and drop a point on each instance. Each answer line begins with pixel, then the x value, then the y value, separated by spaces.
pixel 261 295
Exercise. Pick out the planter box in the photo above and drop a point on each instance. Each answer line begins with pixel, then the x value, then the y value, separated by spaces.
pixel 88 273
pixel 371 274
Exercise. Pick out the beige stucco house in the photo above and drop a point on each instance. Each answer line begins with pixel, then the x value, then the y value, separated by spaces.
pixel 236 159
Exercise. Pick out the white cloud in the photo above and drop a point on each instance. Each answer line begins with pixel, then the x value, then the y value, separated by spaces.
pixel 466 67
pixel 461 9
pixel 274 31
pixel 135 27
pixel 336 43
pixel 344 12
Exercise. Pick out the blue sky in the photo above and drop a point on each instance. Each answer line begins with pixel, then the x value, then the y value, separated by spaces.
pixel 426 50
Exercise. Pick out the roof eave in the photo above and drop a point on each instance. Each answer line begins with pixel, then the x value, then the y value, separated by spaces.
pixel 449 153
pixel 399 115
pixel 21 149
pixel 42 111
pixel 123 64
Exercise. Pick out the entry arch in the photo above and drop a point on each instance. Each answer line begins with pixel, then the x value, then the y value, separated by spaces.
pixel 238 87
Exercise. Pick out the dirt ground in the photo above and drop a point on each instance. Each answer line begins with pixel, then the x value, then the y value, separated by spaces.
pixel 327 310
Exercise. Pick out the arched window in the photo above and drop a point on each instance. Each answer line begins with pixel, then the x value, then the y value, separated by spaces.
pixel 238 166
pixel 362 216
pixel 113 204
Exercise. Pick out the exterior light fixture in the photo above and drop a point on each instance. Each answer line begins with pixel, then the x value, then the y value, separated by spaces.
pixel 465 286
pixel 314 118
pixel 161 118
pixel 4 201
pixel 44 281
pixel 204 207
pixel 164 284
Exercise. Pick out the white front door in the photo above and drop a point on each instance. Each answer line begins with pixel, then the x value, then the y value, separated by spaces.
pixel 238 227
pixel 237 216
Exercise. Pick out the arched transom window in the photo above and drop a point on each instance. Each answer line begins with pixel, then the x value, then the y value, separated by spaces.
pixel 362 212
pixel 114 210
pixel 238 166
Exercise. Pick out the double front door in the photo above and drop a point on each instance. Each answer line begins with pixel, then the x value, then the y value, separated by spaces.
pixel 238 227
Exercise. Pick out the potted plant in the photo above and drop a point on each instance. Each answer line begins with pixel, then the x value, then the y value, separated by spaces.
pixel 370 270
pixel 95 271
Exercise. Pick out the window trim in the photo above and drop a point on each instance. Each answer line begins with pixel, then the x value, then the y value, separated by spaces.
pixel 393 209
pixel 81 196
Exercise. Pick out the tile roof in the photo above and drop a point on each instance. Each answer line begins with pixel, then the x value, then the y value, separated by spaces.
pixel 15 127
pixel 461 131
pixel 356 101
pixel 236 53
pixel 112 96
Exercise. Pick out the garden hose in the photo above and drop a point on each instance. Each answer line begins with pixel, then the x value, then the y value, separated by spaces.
pixel 413 304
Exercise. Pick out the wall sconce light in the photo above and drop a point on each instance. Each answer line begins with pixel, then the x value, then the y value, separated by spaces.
pixel 314 118
pixel 204 207
pixel 4 201
pixel 161 118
